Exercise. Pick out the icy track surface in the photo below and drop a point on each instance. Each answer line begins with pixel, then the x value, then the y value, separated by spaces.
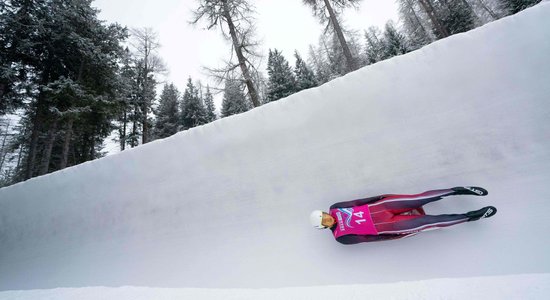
pixel 531 286
pixel 226 205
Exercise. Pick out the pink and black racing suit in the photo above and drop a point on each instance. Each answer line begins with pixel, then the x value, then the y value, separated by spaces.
pixel 387 217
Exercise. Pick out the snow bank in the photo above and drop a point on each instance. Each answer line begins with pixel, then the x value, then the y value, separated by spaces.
pixel 528 286
pixel 226 205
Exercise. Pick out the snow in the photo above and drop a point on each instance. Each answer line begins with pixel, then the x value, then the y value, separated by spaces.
pixel 532 286
pixel 223 208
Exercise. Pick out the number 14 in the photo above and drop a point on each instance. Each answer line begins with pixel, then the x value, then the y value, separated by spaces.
pixel 359 215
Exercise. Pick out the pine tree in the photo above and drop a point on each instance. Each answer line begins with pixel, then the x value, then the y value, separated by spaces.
pixel 438 28
pixel 193 112
pixel 210 107
pixel 167 117
pixel 62 60
pixel 141 104
pixel 415 23
pixel 486 9
pixel 8 74
pixel 335 55
pixel 427 20
pixel 320 65
pixel 375 45
pixel 281 82
pixel 395 43
pixel 514 6
pixel 456 16
pixel 305 78
pixel 329 59
pixel 234 101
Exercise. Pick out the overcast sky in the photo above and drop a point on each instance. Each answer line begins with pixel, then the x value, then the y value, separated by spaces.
pixel 283 24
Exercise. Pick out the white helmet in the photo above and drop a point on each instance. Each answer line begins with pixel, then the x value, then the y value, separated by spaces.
pixel 316 219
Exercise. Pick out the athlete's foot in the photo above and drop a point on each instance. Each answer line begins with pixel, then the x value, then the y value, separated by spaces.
pixel 485 212
pixel 470 190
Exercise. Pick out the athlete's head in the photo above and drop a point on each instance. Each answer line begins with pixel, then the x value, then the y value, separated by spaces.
pixel 321 220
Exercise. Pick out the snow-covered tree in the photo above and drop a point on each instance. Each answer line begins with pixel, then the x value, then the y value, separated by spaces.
pixel 62 61
pixel 488 10
pixel 305 78
pixel 456 16
pixel 319 63
pixel 448 17
pixel 438 28
pixel 193 112
pixel 209 105
pixel 424 21
pixel 380 46
pixel 415 23
pixel 514 6
pixel 328 59
pixel 374 48
pixel 167 114
pixel 395 42
pixel 281 82
pixel 234 100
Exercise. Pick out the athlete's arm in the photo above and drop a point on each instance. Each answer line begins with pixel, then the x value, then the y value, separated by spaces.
pixel 357 202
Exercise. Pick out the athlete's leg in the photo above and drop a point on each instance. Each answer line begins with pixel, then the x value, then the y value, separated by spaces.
pixel 402 203
pixel 410 224
pixel 398 204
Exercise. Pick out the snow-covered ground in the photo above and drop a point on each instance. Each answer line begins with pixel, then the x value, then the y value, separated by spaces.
pixel 532 286
pixel 224 207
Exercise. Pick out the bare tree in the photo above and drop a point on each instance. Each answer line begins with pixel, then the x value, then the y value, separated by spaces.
pixel 145 44
pixel 321 8
pixel 234 17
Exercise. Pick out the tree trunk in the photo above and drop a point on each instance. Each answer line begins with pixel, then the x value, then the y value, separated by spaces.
pixel 145 87
pixel 46 157
pixel 327 51
pixel 486 8
pixel 2 150
pixel 427 5
pixel 242 61
pixel 75 158
pixel 19 157
pixel 134 128
pixel 92 145
pixel 145 126
pixel 3 87
pixel 350 62
pixel 37 124
pixel 66 143
pixel 411 5
pixel 144 107
pixel 472 9
pixel 36 128
pixel 144 110
pixel 123 133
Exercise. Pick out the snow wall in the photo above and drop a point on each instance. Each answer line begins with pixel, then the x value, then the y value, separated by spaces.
pixel 226 205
